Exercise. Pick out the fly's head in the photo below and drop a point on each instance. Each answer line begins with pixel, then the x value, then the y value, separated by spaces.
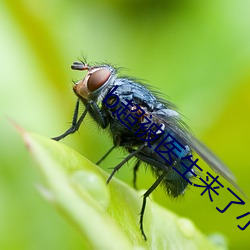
pixel 94 82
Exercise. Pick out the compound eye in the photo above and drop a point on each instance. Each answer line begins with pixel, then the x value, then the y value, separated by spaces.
pixel 97 79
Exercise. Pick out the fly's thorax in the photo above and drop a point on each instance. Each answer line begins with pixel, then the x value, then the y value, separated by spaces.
pixel 95 84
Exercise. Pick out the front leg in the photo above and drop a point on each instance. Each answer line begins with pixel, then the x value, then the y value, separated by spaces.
pixel 75 124
pixel 99 116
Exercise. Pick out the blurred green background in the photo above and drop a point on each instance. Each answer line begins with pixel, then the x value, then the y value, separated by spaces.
pixel 195 52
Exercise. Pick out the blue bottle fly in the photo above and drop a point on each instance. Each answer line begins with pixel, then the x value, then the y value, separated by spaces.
pixel 148 127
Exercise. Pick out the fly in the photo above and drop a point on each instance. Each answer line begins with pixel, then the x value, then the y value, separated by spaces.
pixel 111 99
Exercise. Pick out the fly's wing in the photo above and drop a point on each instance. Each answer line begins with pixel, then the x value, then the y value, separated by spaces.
pixel 171 119
pixel 213 161
pixel 210 158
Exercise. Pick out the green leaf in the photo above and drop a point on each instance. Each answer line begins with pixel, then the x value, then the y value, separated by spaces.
pixel 107 215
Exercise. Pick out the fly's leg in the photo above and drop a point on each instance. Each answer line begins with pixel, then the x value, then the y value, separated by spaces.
pixel 97 114
pixel 124 161
pixel 75 124
pixel 145 196
pixel 135 169
pixel 105 155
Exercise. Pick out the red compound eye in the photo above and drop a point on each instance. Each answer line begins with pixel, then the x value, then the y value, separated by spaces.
pixel 97 79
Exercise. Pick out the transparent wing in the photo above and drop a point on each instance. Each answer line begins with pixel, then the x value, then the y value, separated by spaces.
pixel 174 123
pixel 213 161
